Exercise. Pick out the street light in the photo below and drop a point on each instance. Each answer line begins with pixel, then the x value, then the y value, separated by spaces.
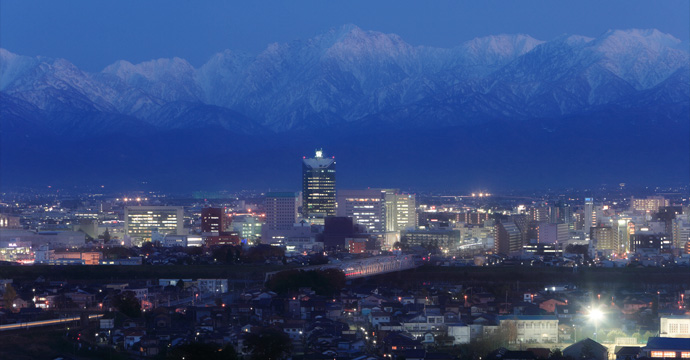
pixel 595 315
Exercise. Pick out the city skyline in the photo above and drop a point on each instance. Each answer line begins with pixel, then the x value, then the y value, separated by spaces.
pixel 510 175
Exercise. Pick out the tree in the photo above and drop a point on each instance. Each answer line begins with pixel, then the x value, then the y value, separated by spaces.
pixel 179 286
pixel 325 282
pixel 615 333
pixel 268 344
pixel 637 336
pixel 8 296
pixel 556 354
pixel 646 336
pixel 106 236
pixel 127 303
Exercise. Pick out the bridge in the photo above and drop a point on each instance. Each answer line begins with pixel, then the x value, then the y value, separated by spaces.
pixel 359 268
pixel 31 324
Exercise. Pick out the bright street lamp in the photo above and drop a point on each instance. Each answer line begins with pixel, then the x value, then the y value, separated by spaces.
pixel 596 315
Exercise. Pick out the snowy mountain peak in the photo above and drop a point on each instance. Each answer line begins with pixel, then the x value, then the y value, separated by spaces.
pixel 349 74
pixel 13 66
pixel 501 45
pixel 150 70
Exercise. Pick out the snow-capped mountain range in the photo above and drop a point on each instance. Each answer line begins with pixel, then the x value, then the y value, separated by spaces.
pixel 352 76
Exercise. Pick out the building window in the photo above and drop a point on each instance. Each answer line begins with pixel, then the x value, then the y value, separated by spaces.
pixel 685 355
pixel 669 354
pixel 657 354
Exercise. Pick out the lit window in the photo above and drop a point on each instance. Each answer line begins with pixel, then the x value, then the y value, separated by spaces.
pixel 657 354
pixel 669 354
pixel 685 355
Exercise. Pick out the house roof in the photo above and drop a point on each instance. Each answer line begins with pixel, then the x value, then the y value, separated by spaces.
pixel 627 350
pixel 662 343
pixel 578 346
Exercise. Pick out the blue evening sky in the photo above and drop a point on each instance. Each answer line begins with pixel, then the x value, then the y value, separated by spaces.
pixel 93 34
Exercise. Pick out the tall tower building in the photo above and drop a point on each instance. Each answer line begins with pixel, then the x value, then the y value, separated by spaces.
pixel 401 210
pixel 590 215
pixel 318 186
pixel 507 238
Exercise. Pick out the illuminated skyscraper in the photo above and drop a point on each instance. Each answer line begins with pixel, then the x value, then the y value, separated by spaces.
pixel 590 216
pixel 318 186
pixel 401 210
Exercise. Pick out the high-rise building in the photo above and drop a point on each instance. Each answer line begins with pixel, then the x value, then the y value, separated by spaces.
pixel 605 238
pixel 508 238
pixel 213 220
pixel 681 231
pixel 539 214
pixel 140 221
pixel 366 207
pixel 621 233
pixel 560 213
pixel 281 214
pixel 401 210
pixel 590 215
pixel 318 186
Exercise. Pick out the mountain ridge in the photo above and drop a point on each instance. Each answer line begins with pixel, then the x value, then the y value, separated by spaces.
pixel 349 74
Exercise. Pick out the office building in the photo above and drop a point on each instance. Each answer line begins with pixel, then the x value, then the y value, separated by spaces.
pixel 338 231
pixel 213 220
pixel 649 204
pixel 249 227
pixel 539 214
pixel 508 238
pixel 646 238
pixel 401 210
pixel 9 222
pixel 443 239
pixel 677 326
pixel 366 207
pixel 549 233
pixel 604 237
pixel 681 231
pixel 473 217
pixel 281 215
pixel 140 221
pixel 318 186
pixel 560 213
